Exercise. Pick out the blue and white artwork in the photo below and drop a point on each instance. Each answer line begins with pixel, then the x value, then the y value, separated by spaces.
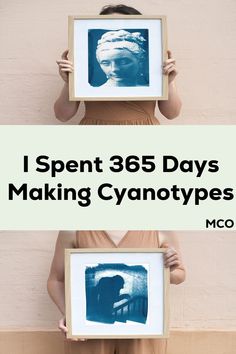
pixel 116 292
pixel 118 58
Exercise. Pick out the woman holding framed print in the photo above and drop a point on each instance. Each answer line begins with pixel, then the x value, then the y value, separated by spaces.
pixel 129 65
pixel 122 57
pixel 114 240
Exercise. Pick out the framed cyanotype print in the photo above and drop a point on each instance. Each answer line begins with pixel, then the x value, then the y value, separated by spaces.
pixel 116 293
pixel 118 57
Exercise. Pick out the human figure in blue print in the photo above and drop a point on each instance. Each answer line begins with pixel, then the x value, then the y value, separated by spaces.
pixel 107 293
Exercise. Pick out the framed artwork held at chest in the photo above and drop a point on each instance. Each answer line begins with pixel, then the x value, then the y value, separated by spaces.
pixel 116 293
pixel 118 57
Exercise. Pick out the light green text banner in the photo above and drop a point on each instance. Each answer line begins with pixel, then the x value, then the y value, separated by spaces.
pixel 117 177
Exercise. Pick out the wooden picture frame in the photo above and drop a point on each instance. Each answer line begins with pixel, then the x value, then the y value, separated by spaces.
pixel 117 57
pixel 116 293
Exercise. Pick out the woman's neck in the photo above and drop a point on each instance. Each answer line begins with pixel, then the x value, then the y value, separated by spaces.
pixel 116 235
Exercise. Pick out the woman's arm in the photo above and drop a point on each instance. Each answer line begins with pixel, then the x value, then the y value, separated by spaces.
pixel 171 107
pixel 55 283
pixel 173 258
pixel 63 108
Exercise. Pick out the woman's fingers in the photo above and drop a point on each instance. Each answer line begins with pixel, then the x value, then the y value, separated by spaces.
pixel 165 245
pixel 65 67
pixel 168 68
pixel 64 62
pixel 173 265
pixel 171 258
pixel 66 70
pixel 64 330
pixel 169 61
pixel 62 325
pixel 65 54
pixel 171 72
pixel 169 54
pixel 170 252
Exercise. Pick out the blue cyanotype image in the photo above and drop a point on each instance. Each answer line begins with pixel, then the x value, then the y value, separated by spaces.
pixel 116 292
pixel 118 57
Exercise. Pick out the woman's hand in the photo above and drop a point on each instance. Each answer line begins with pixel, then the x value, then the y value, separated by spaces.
pixel 171 257
pixel 171 107
pixel 64 330
pixel 65 66
pixel 62 325
pixel 169 67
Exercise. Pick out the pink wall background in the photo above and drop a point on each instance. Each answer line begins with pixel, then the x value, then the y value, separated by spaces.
pixel 202 36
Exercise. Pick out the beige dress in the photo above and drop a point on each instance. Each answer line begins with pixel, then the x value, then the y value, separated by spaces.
pixel 120 113
pixel 132 239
